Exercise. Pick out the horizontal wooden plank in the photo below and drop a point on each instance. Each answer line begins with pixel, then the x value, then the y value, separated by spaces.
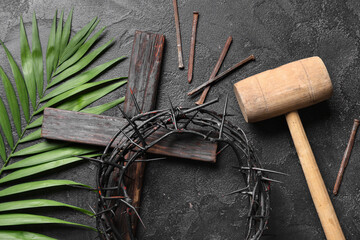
pixel 98 130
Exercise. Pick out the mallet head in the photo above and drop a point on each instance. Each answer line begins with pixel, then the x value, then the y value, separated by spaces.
pixel 284 89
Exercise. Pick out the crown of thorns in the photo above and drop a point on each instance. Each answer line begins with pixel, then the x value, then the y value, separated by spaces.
pixel 134 143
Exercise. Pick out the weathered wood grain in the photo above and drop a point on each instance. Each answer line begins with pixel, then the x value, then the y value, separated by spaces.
pixel 144 72
pixel 144 78
pixel 97 130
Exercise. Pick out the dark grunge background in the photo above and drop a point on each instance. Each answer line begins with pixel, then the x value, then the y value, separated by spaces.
pixel 184 199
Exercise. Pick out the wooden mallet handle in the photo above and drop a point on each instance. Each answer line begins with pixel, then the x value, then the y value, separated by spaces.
pixel 316 185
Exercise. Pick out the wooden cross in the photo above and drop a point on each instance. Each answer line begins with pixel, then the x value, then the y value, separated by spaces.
pixel 143 80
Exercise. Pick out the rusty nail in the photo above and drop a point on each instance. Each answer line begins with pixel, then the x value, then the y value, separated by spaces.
pixel 192 46
pixel 178 35
pixel 221 75
pixel 216 69
pixel 346 156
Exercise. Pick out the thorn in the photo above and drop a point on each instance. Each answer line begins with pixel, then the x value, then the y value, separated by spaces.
pixel 201 106
pixel 238 191
pixel 134 100
pixel 91 209
pixel 163 124
pixel 190 119
pixel 106 235
pixel 132 124
pixel 90 159
pixel 100 161
pixel 133 208
pixel 131 140
pixel 150 159
pixel 222 149
pixel 112 211
pixel 223 117
pixel 263 170
pixel 208 134
pixel 270 180
pixel 106 210
pixel 173 114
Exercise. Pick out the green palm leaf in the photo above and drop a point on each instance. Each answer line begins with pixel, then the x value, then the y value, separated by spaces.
pixel 51 156
pixel 35 123
pixel 27 64
pixel 50 52
pixel 31 137
pixel 20 84
pixel 38 203
pixel 2 149
pixel 70 90
pixel 66 32
pixel 5 124
pixel 39 148
pixel 79 44
pixel 82 50
pixel 81 78
pixel 74 91
pixel 58 40
pixel 104 107
pixel 37 58
pixel 80 65
pixel 25 172
pixel 78 103
pixel 32 186
pixel 22 235
pixel 77 40
pixel 12 100
pixel 15 219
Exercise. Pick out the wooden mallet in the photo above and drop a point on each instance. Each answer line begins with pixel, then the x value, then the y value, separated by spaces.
pixel 283 90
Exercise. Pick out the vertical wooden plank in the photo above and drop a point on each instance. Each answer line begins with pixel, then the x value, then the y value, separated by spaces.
pixel 144 71
pixel 143 80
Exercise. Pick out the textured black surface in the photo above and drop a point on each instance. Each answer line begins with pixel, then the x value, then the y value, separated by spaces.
pixel 184 199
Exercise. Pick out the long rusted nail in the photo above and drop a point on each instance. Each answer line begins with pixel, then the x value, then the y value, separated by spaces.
pixel 216 69
pixel 347 153
pixel 221 75
pixel 192 46
pixel 178 35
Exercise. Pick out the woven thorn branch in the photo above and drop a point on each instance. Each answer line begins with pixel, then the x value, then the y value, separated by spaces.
pixel 132 146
